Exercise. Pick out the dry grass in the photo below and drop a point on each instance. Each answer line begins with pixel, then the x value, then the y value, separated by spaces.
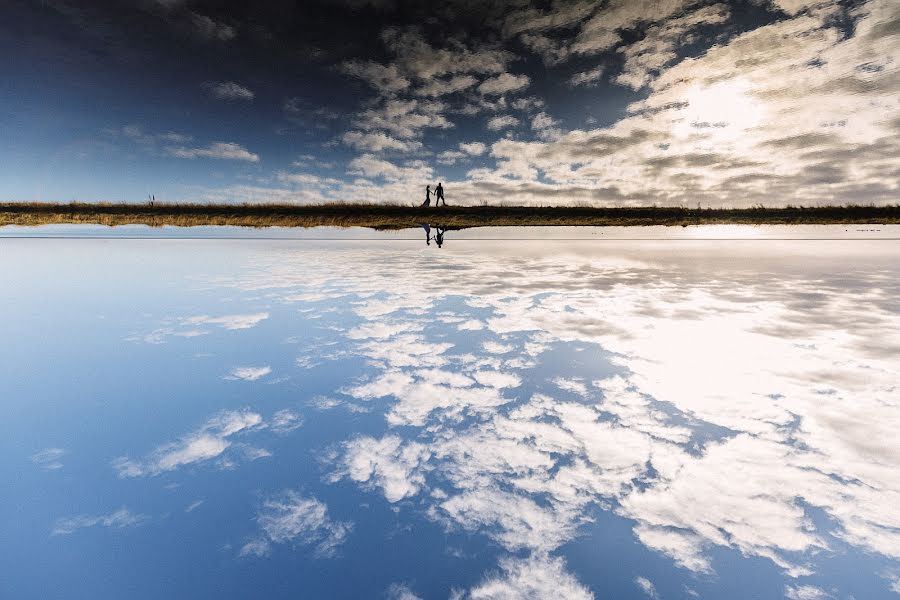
pixel 392 216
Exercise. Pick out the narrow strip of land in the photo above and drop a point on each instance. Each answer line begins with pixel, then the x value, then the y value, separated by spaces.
pixel 380 216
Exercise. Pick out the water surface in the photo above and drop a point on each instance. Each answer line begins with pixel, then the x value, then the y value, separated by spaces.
pixel 676 416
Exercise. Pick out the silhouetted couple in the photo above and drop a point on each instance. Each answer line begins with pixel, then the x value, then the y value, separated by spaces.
pixel 438 195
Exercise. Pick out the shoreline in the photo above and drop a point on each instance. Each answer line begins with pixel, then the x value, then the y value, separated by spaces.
pixel 377 216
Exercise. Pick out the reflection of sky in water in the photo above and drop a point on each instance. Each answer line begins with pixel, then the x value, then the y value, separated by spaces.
pixel 357 418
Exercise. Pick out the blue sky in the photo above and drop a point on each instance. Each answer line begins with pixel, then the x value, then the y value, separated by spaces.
pixel 635 419
pixel 614 103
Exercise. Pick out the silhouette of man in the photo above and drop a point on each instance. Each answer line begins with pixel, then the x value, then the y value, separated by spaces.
pixel 439 195
pixel 439 235
pixel 427 196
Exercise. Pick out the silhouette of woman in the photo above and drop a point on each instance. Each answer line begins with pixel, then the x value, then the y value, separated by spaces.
pixel 427 196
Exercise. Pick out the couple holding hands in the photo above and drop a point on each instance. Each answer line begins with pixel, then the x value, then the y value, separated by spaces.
pixel 438 195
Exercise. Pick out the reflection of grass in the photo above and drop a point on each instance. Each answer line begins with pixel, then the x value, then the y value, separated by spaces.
pixel 394 216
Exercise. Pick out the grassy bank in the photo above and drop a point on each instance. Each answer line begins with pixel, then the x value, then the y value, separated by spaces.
pixel 395 216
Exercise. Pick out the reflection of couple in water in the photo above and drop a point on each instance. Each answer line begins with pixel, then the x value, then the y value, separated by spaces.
pixel 438 195
pixel 438 234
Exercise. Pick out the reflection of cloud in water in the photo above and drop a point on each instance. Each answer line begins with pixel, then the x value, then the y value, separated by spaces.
pixel 206 443
pixel 249 373
pixel 290 517
pixel 188 327
pixel 49 459
pixel 533 577
pixel 119 519
pixel 787 354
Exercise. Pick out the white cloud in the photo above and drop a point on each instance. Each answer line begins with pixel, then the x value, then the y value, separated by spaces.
pixel 543 121
pixel 49 458
pixel 233 322
pixel 449 157
pixel 571 385
pixel 895 584
pixel 290 517
pixel 538 577
pixel 386 463
pixel 372 166
pixel 415 56
pixel 204 444
pixel 514 521
pixel 285 421
pixel 216 150
pixel 497 379
pixel 251 453
pixel 647 57
pixel 493 347
pixel 805 592
pixel 587 78
pixel 504 83
pixel 193 506
pixel 546 126
pixel 501 122
pixel 208 29
pixel 377 142
pixel 229 90
pixel 597 26
pixel 190 326
pixel 119 519
pixel 404 119
pixel 249 373
pixel 528 103
pixel 137 135
pixel 685 548
pixel 647 587
pixel 384 78
pixel 401 591
pixel 443 87
pixel 473 148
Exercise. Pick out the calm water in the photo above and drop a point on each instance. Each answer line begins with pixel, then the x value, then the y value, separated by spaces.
pixel 498 418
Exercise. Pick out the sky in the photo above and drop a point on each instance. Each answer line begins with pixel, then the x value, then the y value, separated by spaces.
pixel 621 102
pixel 634 419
